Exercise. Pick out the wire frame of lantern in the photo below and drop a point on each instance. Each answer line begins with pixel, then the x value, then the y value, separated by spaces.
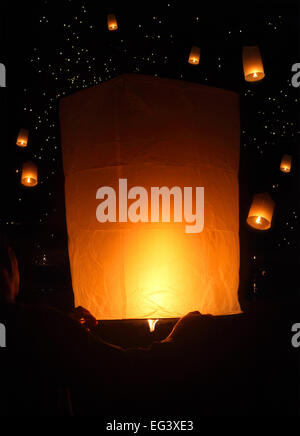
pixel 22 139
pixel 252 64
pixel 29 175
pixel 194 57
pixel 286 163
pixel 112 23
pixel 261 211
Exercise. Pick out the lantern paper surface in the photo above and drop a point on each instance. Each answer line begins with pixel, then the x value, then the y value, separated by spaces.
pixel 286 163
pixel 261 211
pixel 112 23
pixel 29 175
pixel 153 132
pixel 194 57
pixel 22 138
pixel 252 63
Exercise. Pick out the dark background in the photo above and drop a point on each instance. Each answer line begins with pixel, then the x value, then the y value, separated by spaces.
pixel 54 48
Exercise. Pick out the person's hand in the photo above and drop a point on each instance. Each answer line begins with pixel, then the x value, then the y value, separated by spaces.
pixel 83 316
pixel 185 327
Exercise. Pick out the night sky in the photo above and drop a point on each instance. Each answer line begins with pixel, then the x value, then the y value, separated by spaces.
pixel 55 48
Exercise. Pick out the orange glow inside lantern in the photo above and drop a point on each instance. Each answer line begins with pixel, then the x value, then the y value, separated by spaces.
pixel 252 64
pixel 261 212
pixel 194 57
pixel 29 175
pixel 152 270
pixel 286 163
pixel 112 23
pixel 22 139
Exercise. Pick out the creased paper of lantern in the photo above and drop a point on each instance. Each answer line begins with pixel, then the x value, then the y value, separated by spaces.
pixel 154 133
pixel 261 211
pixel 112 23
pixel 22 139
pixel 29 176
pixel 252 63
pixel 286 163
pixel 194 57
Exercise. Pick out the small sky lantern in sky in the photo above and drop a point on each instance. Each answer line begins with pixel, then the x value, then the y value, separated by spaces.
pixel 112 22
pixel 22 139
pixel 29 175
pixel 252 64
pixel 286 163
pixel 261 211
pixel 194 57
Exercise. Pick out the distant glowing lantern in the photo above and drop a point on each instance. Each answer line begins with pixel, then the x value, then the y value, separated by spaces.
pixel 152 270
pixel 261 211
pixel 252 63
pixel 152 323
pixel 29 175
pixel 286 163
pixel 22 138
pixel 194 57
pixel 112 23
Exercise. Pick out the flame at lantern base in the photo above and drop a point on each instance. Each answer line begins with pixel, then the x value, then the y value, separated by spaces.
pixel 29 181
pixel 285 169
pixel 259 222
pixel 152 324
pixel 255 76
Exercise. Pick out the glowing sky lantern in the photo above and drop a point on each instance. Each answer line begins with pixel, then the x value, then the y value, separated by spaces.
pixel 22 139
pixel 194 57
pixel 252 64
pixel 286 163
pixel 112 23
pixel 29 176
pixel 261 211
pixel 152 133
